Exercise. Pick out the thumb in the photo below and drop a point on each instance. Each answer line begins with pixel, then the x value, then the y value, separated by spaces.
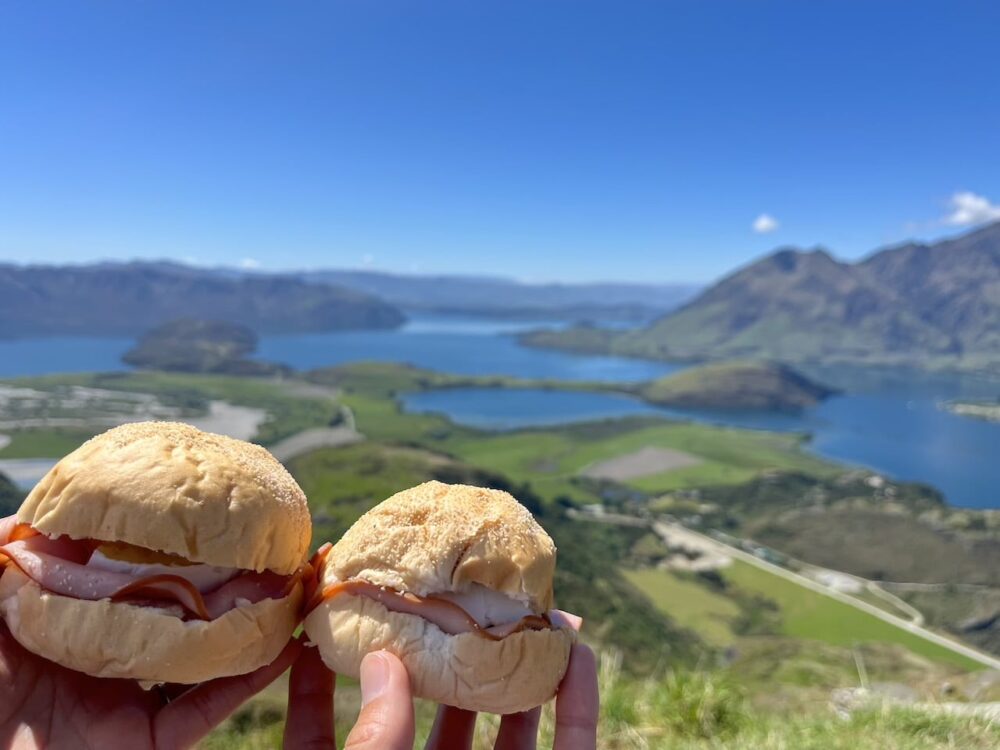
pixel 386 719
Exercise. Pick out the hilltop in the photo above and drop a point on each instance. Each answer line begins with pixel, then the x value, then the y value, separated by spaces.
pixel 915 304
pixel 208 346
pixel 736 385
pixel 128 299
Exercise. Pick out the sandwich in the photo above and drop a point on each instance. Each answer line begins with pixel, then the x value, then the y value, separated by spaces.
pixel 159 553
pixel 457 582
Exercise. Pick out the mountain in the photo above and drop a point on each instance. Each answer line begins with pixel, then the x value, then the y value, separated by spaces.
pixel 764 386
pixel 500 297
pixel 126 299
pixel 915 304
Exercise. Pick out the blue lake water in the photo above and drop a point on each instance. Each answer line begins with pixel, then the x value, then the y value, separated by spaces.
pixel 466 346
pixel 50 355
pixel 888 420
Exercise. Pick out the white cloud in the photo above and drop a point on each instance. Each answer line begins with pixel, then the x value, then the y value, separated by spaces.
pixel 968 208
pixel 765 224
pixel 249 264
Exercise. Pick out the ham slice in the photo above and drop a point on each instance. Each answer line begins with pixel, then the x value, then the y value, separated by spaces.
pixel 446 615
pixel 250 587
pixel 166 588
pixel 58 565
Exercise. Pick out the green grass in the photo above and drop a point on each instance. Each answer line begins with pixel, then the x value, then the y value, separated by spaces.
pixel 44 443
pixel 677 710
pixel 808 614
pixel 342 483
pixel 729 456
pixel 690 604
pixel 551 458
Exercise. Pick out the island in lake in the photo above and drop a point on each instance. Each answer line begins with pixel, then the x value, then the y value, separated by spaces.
pixel 200 346
pixel 987 410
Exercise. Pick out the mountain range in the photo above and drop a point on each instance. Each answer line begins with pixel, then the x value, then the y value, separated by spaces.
pixel 125 299
pixel 506 298
pixel 913 304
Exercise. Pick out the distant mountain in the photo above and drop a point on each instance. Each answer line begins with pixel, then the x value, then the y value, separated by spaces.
pixel 130 298
pixel 500 297
pixel 914 304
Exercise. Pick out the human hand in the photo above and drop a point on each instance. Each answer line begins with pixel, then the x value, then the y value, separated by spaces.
pixel 386 719
pixel 45 705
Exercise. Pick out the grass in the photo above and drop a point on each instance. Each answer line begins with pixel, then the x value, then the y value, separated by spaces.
pixel 730 456
pixel 810 615
pixel 342 483
pixel 677 710
pixel 44 443
pixel 549 458
pixel 690 604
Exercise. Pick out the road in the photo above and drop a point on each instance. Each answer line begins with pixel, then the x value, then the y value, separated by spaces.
pixel 310 440
pixel 916 616
pixel 959 648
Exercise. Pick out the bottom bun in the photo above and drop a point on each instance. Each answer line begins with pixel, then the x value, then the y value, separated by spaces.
pixel 468 671
pixel 113 639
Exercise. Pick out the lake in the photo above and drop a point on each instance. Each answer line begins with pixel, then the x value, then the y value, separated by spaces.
pixel 465 346
pixel 888 421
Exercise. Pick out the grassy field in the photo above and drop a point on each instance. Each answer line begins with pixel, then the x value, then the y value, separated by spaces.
pixel 678 710
pixel 807 614
pixel 801 613
pixel 693 606
pixel 44 443
pixel 550 458
pixel 342 483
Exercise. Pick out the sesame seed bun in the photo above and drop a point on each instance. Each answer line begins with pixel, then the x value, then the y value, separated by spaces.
pixel 442 537
pixel 173 488
pixel 438 538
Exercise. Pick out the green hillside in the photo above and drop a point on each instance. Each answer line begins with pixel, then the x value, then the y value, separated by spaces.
pixel 765 386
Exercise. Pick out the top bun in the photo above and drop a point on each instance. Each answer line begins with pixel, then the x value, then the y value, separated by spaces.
pixel 171 487
pixel 438 537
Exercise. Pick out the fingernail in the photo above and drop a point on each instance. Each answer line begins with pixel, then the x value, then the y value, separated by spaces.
pixel 374 677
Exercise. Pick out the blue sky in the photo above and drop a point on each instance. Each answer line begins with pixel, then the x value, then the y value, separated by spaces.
pixel 543 140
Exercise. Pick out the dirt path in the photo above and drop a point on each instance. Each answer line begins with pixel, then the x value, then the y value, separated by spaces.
pixel 223 418
pixel 641 463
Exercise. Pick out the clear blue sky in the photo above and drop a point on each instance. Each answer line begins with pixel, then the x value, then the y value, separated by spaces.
pixel 543 140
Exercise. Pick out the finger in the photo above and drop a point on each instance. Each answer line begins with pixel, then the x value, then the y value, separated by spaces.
pixel 310 704
pixel 386 720
pixel 453 728
pixel 519 730
pixel 6 527
pixel 198 711
pixel 561 619
pixel 577 703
